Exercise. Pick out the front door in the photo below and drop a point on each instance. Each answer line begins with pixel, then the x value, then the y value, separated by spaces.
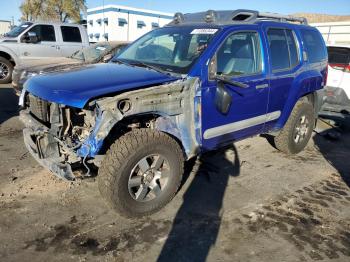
pixel 235 107
pixel 46 47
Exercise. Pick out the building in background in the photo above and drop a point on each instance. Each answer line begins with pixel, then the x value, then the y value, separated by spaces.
pixel 121 23
pixel 334 32
pixel 5 26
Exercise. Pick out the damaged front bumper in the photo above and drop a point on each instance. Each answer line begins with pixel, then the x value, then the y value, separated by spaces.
pixel 44 148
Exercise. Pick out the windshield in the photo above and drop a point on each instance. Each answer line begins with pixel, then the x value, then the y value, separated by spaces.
pixel 93 53
pixel 172 49
pixel 18 30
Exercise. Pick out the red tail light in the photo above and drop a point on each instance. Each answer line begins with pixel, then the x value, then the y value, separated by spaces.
pixel 342 67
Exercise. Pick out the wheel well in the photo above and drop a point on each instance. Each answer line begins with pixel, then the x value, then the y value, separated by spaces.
pixel 129 123
pixel 8 57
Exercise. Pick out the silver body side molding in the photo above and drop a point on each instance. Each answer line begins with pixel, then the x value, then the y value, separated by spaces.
pixel 237 126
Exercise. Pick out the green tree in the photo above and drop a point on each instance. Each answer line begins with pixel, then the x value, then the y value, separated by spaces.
pixel 32 9
pixel 66 10
pixel 53 10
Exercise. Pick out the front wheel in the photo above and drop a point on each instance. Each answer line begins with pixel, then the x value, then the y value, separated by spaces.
pixel 298 130
pixel 6 69
pixel 141 172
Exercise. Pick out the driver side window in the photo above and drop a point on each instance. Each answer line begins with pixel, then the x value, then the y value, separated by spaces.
pixel 240 55
pixel 44 33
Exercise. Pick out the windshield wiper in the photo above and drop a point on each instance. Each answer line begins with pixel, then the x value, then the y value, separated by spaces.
pixel 141 64
pixel 157 69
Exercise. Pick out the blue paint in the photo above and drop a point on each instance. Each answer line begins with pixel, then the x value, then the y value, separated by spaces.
pixel 77 87
pixel 92 145
pixel 285 88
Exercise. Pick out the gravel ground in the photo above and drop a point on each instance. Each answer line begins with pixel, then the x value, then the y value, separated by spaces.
pixel 248 203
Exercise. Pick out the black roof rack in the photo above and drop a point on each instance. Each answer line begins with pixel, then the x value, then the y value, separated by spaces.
pixel 233 17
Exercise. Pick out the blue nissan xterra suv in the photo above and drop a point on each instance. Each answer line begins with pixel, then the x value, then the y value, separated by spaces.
pixel 202 82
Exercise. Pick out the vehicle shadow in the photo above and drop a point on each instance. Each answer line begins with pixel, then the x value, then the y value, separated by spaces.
pixel 8 104
pixel 197 222
pixel 334 145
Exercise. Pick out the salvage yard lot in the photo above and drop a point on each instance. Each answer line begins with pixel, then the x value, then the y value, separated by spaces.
pixel 247 203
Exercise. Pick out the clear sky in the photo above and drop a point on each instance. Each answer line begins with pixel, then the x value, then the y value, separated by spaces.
pixel 9 8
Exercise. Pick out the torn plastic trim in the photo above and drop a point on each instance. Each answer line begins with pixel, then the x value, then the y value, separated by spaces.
pixel 105 121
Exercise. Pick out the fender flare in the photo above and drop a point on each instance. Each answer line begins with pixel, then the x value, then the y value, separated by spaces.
pixel 306 83
pixel 5 49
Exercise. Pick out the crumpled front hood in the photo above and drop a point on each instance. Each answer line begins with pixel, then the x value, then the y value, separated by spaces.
pixel 77 87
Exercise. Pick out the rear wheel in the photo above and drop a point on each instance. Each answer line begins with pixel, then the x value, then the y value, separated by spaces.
pixel 298 130
pixel 141 172
pixel 6 69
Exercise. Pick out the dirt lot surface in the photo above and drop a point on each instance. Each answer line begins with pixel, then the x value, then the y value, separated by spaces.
pixel 248 203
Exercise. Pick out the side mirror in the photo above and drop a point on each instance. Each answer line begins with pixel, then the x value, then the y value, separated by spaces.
pixel 107 58
pixel 223 99
pixel 31 37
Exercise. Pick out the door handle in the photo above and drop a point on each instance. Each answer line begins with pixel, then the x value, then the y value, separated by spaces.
pixel 262 86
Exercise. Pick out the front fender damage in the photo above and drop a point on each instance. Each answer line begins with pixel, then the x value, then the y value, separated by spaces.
pixel 177 106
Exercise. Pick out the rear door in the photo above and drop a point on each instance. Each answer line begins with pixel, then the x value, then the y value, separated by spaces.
pixel 71 40
pixel 284 63
pixel 46 47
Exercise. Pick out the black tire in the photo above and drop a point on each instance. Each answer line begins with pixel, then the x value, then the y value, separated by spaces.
pixel 123 156
pixel 5 76
pixel 286 140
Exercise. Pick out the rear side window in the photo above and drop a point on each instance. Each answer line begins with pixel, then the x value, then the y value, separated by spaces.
pixel 339 55
pixel 44 32
pixel 283 49
pixel 314 45
pixel 71 34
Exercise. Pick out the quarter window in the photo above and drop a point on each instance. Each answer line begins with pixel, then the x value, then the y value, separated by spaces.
pixel 239 55
pixel 44 32
pixel 283 49
pixel 314 45
pixel 71 34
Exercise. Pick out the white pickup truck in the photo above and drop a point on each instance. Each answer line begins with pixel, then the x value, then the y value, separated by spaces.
pixel 37 41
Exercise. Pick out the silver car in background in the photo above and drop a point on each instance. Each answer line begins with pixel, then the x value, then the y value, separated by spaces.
pixel 101 52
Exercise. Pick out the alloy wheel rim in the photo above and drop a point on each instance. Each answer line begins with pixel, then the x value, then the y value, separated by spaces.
pixel 149 178
pixel 301 129
pixel 4 71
